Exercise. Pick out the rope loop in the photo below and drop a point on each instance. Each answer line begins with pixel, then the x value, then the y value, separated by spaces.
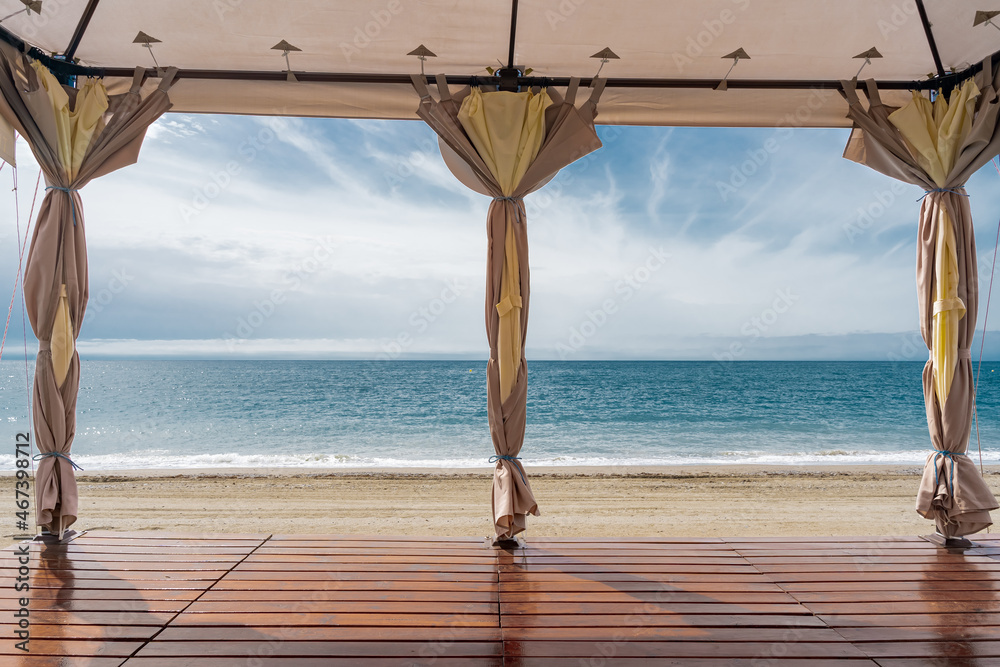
pixel 39 457
pixel 953 190
pixel 497 458
pixel 949 457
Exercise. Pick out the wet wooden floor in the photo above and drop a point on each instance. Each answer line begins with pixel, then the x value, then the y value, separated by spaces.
pixel 172 600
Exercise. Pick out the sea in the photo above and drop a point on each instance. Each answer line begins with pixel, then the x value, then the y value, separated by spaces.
pixel 400 414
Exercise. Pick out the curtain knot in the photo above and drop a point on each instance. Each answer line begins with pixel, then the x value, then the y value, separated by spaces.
pixel 512 459
pixel 72 202
pixel 944 305
pixel 957 191
pixel 508 304
pixel 949 457
pixel 39 457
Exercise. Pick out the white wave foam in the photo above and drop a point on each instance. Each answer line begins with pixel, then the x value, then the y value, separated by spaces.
pixel 153 459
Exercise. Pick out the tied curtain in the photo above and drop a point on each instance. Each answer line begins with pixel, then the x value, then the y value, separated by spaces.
pixel 507 145
pixel 76 134
pixel 938 145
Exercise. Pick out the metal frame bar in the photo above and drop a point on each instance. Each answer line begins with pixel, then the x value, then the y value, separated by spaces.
pixel 64 68
pixel 513 34
pixel 930 37
pixel 81 29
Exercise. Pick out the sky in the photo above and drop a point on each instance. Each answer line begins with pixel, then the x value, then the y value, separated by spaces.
pixel 243 237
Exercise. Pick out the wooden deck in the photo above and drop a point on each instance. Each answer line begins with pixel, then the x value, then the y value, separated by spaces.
pixel 172 600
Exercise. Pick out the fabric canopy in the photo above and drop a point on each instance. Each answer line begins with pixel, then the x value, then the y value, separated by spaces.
pixel 76 134
pixel 938 146
pixel 787 40
pixel 508 145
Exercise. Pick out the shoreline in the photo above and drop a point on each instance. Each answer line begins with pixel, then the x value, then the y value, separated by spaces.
pixel 624 472
pixel 667 501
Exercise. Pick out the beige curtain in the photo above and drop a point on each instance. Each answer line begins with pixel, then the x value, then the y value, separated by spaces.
pixel 938 146
pixel 76 134
pixel 507 145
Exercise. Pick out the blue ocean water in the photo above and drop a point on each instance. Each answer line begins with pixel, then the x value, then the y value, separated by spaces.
pixel 208 414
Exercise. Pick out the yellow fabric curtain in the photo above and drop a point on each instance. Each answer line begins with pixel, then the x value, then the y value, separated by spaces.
pixel 507 130
pixel 78 125
pixel 934 133
pixel 62 343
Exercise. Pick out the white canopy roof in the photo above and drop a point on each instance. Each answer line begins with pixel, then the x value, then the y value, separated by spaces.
pixel 798 50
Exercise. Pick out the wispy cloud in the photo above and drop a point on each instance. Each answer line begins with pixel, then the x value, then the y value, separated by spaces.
pixel 359 225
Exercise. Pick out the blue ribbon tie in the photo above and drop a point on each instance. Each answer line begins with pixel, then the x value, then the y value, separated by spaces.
pixel 39 457
pixel 72 202
pixel 505 457
pixel 949 456
pixel 955 190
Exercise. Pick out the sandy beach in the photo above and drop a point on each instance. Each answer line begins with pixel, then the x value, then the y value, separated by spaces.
pixel 674 501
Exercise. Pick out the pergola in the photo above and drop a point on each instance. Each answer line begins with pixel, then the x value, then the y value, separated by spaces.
pixel 513 91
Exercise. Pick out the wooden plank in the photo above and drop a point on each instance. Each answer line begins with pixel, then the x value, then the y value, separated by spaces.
pixel 484 568
pixel 908 620
pixel 585 585
pixel 655 597
pixel 262 661
pixel 302 607
pixel 653 620
pixel 928 587
pixel 411 650
pixel 100 617
pixel 380 559
pixel 40 605
pixel 597 568
pixel 646 608
pixel 979 567
pixel 759 651
pixel 76 648
pixel 70 631
pixel 939 662
pixel 238 574
pixel 647 578
pixel 895 596
pixel 299 587
pixel 879 575
pixel 59 661
pixel 84 593
pixel 686 662
pixel 938 649
pixel 945 633
pixel 629 632
pixel 230 596
pixel 446 633
pixel 333 618
pixel 920 607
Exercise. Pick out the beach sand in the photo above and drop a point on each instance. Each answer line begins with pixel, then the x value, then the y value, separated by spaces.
pixel 728 501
